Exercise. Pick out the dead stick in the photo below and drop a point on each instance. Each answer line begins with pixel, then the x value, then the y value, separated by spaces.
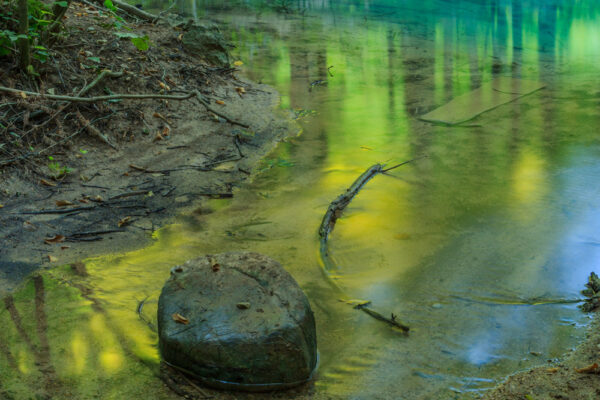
pixel 128 8
pixel 334 211
pixel 392 321
pixel 97 98
pixel 91 129
pixel 207 105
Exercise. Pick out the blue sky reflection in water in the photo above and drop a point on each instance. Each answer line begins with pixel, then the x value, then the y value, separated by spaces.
pixel 466 246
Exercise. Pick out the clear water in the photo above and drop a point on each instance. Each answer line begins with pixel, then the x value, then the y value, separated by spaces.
pixel 499 214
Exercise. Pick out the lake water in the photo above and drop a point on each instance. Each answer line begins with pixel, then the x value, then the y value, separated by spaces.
pixel 466 245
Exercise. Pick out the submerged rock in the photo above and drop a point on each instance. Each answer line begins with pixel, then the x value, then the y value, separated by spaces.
pixel 238 321
pixel 207 42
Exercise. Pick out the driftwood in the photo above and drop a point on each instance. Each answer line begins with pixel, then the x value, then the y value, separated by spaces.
pixel 391 321
pixel 334 211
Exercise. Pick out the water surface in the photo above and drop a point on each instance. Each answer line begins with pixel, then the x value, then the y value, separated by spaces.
pixel 465 245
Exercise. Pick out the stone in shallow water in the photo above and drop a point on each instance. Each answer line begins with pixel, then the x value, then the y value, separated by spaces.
pixel 249 325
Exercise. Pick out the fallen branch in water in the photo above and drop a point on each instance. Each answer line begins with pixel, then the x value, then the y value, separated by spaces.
pixel 391 321
pixel 334 211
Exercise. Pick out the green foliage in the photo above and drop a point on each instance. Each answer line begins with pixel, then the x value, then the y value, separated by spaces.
pixel 56 170
pixel 142 43
pixel 40 17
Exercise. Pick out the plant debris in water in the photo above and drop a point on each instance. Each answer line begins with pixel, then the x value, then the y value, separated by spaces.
pixel 592 293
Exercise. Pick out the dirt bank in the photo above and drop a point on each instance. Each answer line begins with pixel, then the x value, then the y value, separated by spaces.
pixel 574 377
pixel 101 177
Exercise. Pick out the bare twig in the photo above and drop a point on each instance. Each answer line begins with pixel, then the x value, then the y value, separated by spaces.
pixel 207 105
pixel 91 129
pixel 128 8
pixel 334 211
pixel 97 98
pixel 83 91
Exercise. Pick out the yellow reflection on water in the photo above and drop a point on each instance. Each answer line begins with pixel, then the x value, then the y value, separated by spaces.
pixel 529 178
pixel 79 352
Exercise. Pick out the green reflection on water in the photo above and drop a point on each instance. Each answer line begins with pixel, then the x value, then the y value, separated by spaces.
pixel 497 212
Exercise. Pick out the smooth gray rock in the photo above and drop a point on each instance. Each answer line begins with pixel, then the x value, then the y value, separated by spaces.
pixel 250 325
pixel 207 42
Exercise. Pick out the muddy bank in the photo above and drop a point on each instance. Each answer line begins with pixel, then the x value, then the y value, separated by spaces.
pixel 574 377
pixel 77 194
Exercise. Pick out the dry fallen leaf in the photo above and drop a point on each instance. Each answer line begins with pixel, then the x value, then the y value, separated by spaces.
pixel 180 319
pixel 84 200
pixel 216 267
pixel 159 115
pixel 221 102
pixel 238 63
pixel 52 258
pixel 23 95
pixel 65 247
pixel 97 199
pixel 171 81
pixel 166 130
pixel 164 86
pixel 46 183
pixel 240 90
pixel 63 203
pixel 590 369
pixel 180 37
pixel 552 370
pixel 157 137
pixel 55 239
pixel 124 221
pixel 28 226
pixel 1 206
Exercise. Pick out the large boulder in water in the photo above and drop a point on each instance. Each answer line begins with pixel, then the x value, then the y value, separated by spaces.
pixel 207 42
pixel 237 321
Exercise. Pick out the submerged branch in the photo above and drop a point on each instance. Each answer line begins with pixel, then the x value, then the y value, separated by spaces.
pixel 334 211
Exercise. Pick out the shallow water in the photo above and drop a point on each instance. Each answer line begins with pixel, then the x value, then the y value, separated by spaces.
pixel 466 245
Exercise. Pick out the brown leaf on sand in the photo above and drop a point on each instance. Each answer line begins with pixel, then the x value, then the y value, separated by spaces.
pixel 52 258
pixel 46 183
pixel 180 319
pixel 552 370
pixel 55 239
pixel 590 369
pixel 220 102
pixel 63 203
pixel 124 221
pixel 157 137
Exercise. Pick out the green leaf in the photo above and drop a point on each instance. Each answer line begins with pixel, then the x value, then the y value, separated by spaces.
pixel 94 59
pixel 83 151
pixel 62 4
pixel 50 158
pixel 109 4
pixel 31 70
pixel 142 43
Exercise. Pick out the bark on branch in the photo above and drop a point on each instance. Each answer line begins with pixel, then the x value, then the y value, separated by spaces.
pixel 97 98
pixel 334 211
